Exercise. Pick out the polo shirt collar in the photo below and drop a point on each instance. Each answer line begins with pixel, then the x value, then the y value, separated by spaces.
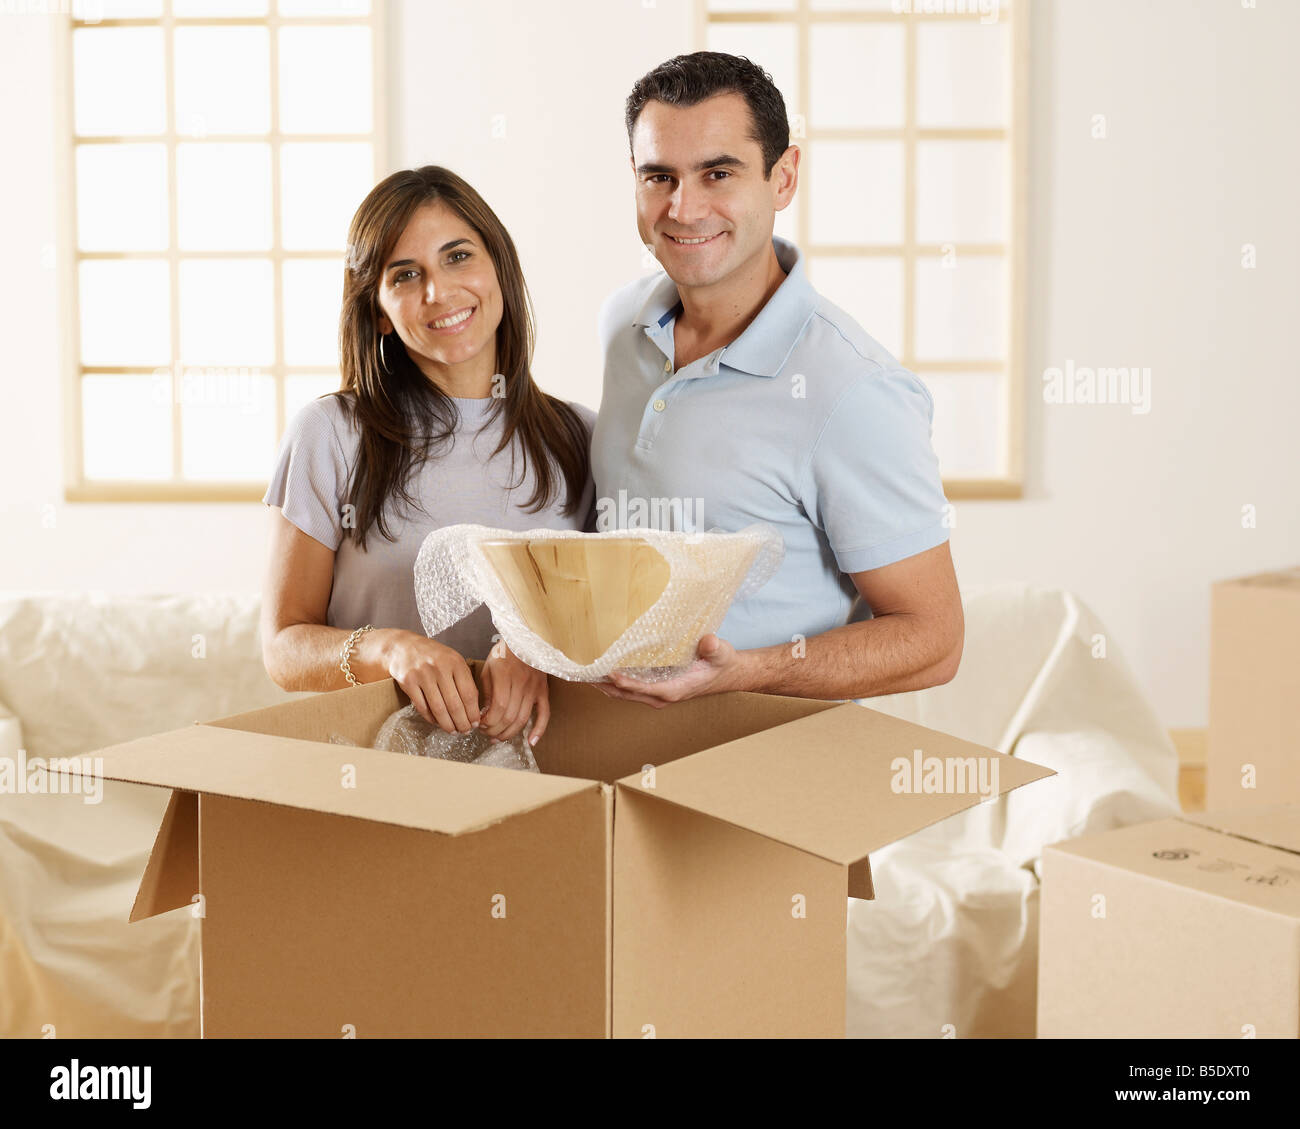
pixel 765 344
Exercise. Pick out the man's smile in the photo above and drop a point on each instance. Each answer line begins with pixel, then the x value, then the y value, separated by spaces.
pixel 698 241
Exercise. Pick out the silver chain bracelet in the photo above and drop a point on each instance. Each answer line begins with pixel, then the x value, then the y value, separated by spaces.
pixel 344 665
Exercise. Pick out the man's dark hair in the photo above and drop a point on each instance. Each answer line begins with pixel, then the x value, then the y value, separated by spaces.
pixel 687 80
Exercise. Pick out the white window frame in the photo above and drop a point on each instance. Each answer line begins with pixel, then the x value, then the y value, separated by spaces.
pixel 77 488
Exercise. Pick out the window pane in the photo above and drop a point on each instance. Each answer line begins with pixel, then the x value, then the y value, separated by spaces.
pixel 969 422
pixel 869 289
pixel 223 80
pixel 224 196
pixel 961 189
pixel 751 5
pixel 859 5
pixel 988 9
pixel 125 312
pixel 118 75
pixel 325 84
pixel 324 7
pixel 857 75
pixel 95 10
pixel 322 185
pixel 961 309
pixel 127 425
pixel 962 76
pixel 226 312
pixel 190 8
pixel 772 46
pixel 121 197
pixel 856 191
pixel 227 423
pixel 301 388
pixel 313 300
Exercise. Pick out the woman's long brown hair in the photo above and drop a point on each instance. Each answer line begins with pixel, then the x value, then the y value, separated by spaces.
pixel 403 417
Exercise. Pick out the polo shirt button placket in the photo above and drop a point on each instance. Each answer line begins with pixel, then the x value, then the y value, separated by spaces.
pixel 659 403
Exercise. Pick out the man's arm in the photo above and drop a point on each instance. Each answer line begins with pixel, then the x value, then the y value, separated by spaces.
pixel 914 641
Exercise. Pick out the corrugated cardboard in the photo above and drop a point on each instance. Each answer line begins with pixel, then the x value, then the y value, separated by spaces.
pixel 1253 755
pixel 1183 927
pixel 673 872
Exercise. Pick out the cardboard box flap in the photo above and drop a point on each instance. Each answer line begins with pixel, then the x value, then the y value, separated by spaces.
pixel 838 784
pixel 1285 578
pixel 418 792
pixel 171 877
pixel 1277 825
pixel 1185 852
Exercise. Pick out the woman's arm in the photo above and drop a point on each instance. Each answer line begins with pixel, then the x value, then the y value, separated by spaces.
pixel 301 651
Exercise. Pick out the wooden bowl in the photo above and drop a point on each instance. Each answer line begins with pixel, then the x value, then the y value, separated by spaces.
pixel 580 594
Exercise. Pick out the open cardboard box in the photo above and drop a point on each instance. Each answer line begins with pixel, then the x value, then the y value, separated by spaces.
pixel 674 872
pixel 1187 926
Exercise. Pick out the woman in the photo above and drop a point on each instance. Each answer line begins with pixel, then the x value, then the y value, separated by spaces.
pixel 437 422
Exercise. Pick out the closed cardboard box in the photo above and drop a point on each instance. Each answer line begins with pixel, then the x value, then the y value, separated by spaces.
pixel 675 872
pixel 1183 927
pixel 1253 756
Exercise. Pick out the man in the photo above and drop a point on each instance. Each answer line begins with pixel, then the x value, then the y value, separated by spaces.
pixel 730 380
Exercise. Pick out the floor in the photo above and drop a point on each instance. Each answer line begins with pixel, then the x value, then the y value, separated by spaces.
pixel 1191 767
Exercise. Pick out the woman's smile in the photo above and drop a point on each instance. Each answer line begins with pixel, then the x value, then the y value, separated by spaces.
pixel 455 322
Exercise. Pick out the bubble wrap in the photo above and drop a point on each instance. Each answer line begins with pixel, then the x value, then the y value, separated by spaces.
pixel 405 731
pixel 706 572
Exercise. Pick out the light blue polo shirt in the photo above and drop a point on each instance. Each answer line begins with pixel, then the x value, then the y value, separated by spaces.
pixel 804 422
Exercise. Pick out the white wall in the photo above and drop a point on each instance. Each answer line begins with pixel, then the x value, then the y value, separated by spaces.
pixel 559 178
pixel 1134 260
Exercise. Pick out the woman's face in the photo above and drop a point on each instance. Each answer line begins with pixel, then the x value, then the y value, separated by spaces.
pixel 439 291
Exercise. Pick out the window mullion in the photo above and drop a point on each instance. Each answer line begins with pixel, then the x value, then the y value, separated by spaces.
pixel 277 250
pixel 909 192
pixel 173 233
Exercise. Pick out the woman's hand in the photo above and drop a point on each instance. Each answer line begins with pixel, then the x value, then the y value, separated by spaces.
pixel 436 679
pixel 513 690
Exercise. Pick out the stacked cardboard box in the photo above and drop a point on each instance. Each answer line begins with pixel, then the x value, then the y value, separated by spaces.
pixel 1253 756
pixel 1182 927
pixel 669 872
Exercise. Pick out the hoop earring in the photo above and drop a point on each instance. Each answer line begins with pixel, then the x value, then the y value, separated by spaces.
pixel 382 359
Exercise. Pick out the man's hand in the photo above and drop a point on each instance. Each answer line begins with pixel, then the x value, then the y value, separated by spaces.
pixel 914 641
pixel 717 668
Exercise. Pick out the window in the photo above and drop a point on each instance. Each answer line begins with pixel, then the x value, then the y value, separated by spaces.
pixel 911 118
pixel 218 151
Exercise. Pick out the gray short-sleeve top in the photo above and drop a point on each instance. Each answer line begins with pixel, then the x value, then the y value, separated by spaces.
pixel 462 482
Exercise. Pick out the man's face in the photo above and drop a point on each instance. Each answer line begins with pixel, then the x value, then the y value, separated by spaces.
pixel 702 203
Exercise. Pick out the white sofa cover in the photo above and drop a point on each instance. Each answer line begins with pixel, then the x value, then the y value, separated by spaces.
pixel 948 947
